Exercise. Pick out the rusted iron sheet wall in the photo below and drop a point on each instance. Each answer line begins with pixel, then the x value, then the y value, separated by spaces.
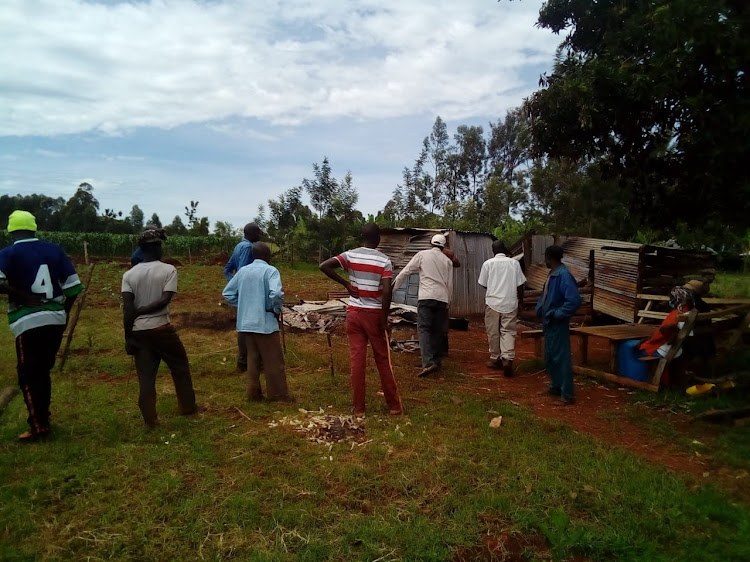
pixel 471 248
pixel 616 282
pixel 624 271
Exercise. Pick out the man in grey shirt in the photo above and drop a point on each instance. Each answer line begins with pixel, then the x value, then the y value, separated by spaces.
pixel 435 267
pixel 147 290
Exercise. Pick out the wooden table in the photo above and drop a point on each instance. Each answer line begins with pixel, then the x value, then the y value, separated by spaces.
pixel 615 334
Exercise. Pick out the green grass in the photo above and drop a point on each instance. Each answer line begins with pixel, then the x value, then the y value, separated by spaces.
pixel 217 486
pixel 731 285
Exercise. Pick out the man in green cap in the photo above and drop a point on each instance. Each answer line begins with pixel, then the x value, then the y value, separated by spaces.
pixel 41 284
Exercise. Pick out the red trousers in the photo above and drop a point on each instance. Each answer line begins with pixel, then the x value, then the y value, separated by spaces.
pixel 361 327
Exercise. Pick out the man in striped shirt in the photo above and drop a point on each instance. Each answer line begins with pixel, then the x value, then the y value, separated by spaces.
pixel 41 285
pixel 369 287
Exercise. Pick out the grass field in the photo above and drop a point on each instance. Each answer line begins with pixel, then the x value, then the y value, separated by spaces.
pixel 437 484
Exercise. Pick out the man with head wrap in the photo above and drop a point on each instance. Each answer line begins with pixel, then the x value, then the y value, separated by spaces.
pixel 41 285
pixel 681 301
pixel 147 290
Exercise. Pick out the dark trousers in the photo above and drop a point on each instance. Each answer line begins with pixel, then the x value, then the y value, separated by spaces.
pixel 432 325
pixel 265 349
pixel 153 347
pixel 241 352
pixel 35 351
pixel 557 358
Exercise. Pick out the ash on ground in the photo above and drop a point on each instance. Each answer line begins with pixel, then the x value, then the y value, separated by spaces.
pixel 319 427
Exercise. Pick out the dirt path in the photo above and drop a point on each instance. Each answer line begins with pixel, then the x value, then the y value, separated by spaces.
pixel 601 411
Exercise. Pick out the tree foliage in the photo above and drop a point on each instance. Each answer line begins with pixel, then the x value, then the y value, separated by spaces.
pixel 657 92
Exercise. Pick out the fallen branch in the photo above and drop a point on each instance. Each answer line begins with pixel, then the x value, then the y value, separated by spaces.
pixel 723 415
pixel 243 414
pixel 6 396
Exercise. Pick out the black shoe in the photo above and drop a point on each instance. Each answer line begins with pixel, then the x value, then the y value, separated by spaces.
pixel 507 368
pixel 567 401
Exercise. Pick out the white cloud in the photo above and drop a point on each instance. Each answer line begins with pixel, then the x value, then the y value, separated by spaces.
pixel 71 66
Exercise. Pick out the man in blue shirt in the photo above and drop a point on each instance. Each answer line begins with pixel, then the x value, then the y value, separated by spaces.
pixel 559 301
pixel 41 285
pixel 242 256
pixel 256 292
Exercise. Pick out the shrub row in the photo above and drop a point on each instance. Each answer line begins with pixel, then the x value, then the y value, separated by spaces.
pixel 122 245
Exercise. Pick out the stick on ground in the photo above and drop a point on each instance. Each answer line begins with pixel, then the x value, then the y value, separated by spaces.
pixel 6 396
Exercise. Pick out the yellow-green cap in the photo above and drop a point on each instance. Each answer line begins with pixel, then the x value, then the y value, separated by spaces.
pixel 21 220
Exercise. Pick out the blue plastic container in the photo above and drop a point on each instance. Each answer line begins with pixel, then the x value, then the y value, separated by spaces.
pixel 628 363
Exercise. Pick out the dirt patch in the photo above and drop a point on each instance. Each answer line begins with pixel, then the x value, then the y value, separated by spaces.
pixel 108 378
pixel 223 321
pixel 505 547
pixel 600 411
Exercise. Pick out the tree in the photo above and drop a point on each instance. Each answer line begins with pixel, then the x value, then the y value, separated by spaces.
pixel 509 145
pixel 191 214
pixel 79 214
pixel 472 151
pixel 45 209
pixel 224 229
pixel 136 218
pixel 177 227
pixel 260 218
pixel 155 220
pixel 435 151
pixel 659 92
pixel 321 188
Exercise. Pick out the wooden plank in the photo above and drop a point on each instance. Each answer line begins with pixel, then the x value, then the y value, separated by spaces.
pixel 721 313
pixel 646 309
pixel 649 314
pixel 708 300
pixel 676 345
pixel 614 378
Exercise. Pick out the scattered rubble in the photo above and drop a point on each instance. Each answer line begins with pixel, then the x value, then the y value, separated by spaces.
pixel 326 429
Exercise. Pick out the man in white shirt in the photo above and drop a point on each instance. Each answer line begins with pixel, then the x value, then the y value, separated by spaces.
pixel 435 267
pixel 503 279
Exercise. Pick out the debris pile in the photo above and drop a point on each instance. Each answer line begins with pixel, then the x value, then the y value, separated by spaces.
pixel 326 429
pixel 329 316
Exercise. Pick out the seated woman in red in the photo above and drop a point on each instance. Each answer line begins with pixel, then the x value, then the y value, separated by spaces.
pixel 658 345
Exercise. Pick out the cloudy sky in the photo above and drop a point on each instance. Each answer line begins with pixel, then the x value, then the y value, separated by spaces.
pixel 229 102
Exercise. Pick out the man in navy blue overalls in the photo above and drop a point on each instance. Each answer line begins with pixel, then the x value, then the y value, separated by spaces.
pixel 559 301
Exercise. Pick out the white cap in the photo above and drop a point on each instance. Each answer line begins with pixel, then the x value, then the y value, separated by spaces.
pixel 438 240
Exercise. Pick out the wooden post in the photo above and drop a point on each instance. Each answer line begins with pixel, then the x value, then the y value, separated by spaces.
pixel 86 252
pixel 72 322
pixel 330 352
pixel 283 332
pixel 737 334
pixel 592 277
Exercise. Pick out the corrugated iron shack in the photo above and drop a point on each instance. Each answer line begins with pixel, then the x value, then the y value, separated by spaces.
pixel 471 248
pixel 614 272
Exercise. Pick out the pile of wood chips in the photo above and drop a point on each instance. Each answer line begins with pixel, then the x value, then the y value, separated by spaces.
pixel 326 429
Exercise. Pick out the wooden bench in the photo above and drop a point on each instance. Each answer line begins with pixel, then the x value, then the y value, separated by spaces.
pixel 538 336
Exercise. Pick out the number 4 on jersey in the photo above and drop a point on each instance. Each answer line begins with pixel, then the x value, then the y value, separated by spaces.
pixel 43 282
